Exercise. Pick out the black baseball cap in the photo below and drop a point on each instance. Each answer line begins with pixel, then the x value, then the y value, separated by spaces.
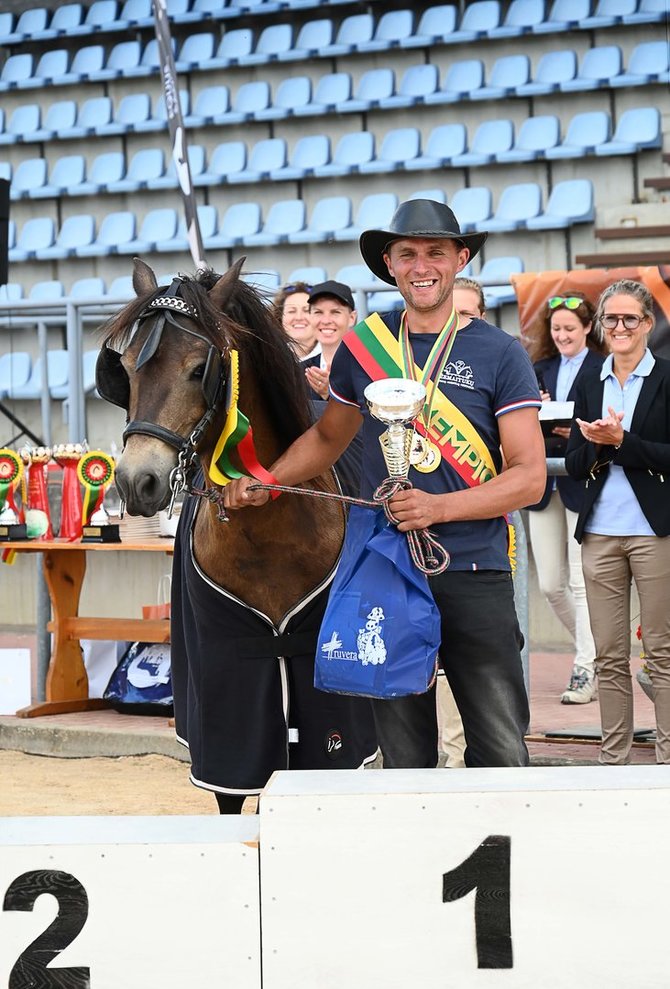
pixel 338 290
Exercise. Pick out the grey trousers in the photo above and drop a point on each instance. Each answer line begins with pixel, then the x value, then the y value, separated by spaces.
pixel 610 564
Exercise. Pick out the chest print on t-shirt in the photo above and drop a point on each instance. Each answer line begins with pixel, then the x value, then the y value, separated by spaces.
pixel 458 373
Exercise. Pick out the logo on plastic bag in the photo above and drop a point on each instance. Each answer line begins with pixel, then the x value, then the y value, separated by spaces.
pixel 149 666
pixel 370 640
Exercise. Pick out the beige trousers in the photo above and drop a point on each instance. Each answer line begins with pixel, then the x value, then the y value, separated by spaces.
pixel 450 726
pixel 610 564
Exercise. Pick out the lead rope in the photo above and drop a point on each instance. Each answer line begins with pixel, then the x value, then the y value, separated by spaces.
pixel 428 555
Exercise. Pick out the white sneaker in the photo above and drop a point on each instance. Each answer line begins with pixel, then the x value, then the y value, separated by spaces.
pixel 581 689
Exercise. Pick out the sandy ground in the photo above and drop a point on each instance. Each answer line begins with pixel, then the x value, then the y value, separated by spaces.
pixel 35 786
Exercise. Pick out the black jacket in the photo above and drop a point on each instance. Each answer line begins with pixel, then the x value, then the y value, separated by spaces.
pixel 571 491
pixel 644 453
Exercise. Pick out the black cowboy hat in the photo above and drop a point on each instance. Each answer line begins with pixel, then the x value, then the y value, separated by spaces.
pixel 415 218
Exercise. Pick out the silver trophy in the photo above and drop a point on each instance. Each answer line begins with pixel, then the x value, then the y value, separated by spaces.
pixel 396 402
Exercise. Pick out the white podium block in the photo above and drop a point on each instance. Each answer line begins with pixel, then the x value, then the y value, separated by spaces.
pixel 129 903
pixel 449 879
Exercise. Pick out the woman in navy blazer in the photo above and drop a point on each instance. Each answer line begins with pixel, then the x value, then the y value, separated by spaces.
pixel 620 446
pixel 567 347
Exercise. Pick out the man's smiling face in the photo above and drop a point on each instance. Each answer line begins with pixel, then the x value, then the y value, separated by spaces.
pixel 425 269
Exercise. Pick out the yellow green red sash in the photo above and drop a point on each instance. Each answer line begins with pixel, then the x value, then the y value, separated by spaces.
pixel 379 354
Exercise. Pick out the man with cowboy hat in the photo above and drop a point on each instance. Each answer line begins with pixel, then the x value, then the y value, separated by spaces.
pixel 482 413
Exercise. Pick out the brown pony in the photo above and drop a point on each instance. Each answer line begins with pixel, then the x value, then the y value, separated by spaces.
pixel 166 359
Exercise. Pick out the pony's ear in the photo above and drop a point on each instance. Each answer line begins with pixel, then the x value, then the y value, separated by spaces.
pixel 222 290
pixel 144 280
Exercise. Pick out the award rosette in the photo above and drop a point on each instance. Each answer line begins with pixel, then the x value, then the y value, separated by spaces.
pixel 96 472
pixel 11 476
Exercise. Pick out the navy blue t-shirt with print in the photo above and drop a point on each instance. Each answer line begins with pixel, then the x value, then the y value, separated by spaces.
pixel 487 375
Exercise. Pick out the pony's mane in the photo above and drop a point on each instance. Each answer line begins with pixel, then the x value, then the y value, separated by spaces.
pixel 249 325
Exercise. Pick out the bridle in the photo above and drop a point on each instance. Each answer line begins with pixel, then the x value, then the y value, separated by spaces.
pixel 113 385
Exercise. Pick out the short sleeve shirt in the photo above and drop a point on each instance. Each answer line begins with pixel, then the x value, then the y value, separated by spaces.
pixel 488 375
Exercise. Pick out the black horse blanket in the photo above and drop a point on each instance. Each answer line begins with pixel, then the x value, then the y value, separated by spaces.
pixel 245 703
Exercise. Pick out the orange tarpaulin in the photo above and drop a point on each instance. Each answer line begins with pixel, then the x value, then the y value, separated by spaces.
pixel 534 288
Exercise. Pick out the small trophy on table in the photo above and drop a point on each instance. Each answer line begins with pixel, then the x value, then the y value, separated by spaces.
pixel 67 456
pixel 96 472
pixel 396 402
pixel 37 512
pixel 11 476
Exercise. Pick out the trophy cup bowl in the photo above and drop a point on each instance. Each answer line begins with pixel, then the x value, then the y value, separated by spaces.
pixel 396 402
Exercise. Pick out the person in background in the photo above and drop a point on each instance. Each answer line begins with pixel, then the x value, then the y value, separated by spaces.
pixel 333 312
pixel 568 345
pixel 469 299
pixel 620 446
pixel 292 306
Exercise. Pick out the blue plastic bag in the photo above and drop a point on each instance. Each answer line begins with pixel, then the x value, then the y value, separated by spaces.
pixel 142 682
pixel 381 631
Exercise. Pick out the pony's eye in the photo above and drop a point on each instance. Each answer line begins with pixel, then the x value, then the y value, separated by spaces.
pixel 198 373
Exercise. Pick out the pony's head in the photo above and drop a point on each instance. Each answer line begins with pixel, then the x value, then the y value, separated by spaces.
pixel 165 359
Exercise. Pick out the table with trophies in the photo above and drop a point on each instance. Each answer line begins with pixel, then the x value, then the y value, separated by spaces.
pixel 85 526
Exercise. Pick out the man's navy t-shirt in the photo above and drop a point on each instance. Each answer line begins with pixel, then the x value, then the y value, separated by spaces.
pixel 487 375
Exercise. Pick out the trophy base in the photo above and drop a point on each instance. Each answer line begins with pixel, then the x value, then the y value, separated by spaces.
pixel 101 534
pixel 9 533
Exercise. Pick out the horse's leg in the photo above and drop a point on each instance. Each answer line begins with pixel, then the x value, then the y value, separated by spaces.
pixel 229 803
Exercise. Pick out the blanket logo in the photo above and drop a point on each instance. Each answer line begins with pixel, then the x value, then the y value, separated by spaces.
pixel 458 373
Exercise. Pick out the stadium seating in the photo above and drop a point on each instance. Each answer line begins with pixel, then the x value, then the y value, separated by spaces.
pixel 330 92
pixel 649 62
pixel 460 81
pixel 598 66
pixel 436 25
pixel 553 69
pixel 373 86
pixel 266 156
pixel 569 202
pixel 36 234
pixel 14 369
pixel 444 143
pixel 309 153
pixel 210 107
pixel 57 367
pixel 330 214
pixel 507 74
pixel 518 203
pixel 351 153
pixel 585 132
pixel 227 159
pixel 67 173
pixel 76 231
pixel 240 221
pixel 397 148
pixel 418 82
pixel 208 222
pixel 638 129
pixel 23 123
pixel 490 139
pixel 285 217
pixel 521 17
pixel 116 229
pixel 373 213
pixel 292 93
pixel 535 137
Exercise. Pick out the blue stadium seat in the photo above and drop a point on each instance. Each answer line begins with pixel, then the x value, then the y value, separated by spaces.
pixel 11 292
pixel 227 158
pixel 29 23
pixel 123 60
pixel 444 142
pixel 374 213
pixel 507 74
pixel 498 271
pixel 491 137
pixel 51 66
pixel 569 202
pixel 311 38
pixel 565 15
pixel 16 70
pixel 250 97
pixel 417 82
pixel 14 366
pixel 89 358
pixel 255 6
pixel 47 291
pixel 135 13
pixel 157 226
pixel 158 119
pixel 60 116
pixel 92 113
pixel 291 94
pixel 608 13
pixel 31 173
pixel 86 61
pixel 478 20
pixel 22 124
pixel 285 217
pixel 266 157
pixel 208 221
pixel 210 106
pixel 471 206
pixel 57 360
pixel 554 68
pixel 585 132
pixel 393 27
pixel 352 151
pixel 145 164
pixel 8 32
pixel 649 12
pixel 352 32
pixel 330 214
pixel 67 173
pixel 238 222
pixel 108 167
pixel 310 275
pixel 150 60
pixel 373 86
pixel 517 204
pixel 385 301
pixel 233 45
pixel 648 62
pixel 265 281
pixel 536 135
pixel 215 9
pixel 310 152
pixel 638 129
pixel 521 17
pixel 66 19
pixel 435 27
pixel 437 195
pixel 169 180
pixel 121 288
pixel 101 15
pixel 398 147
pixel 357 276
pixel 599 65
pixel 115 230
pixel 272 41
pixel 87 288
pixel 330 91
pixel 460 80
pixel 133 109
pixel 196 51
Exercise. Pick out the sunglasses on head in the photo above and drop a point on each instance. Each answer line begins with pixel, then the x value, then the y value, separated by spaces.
pixel 290 289
pixel 571 302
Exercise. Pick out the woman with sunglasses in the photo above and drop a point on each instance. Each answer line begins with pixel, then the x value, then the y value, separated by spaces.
pixel 620 447
pixel 292 306
pixel 566 348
